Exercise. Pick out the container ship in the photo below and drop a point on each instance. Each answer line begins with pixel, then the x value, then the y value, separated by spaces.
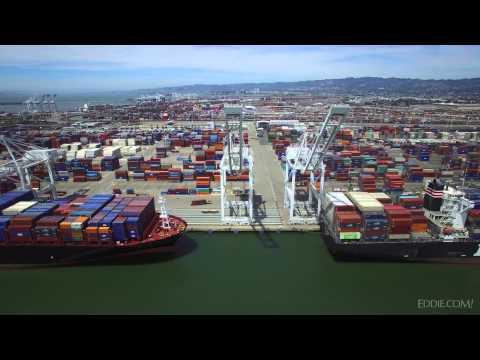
pixel 83 228
pixel 444 226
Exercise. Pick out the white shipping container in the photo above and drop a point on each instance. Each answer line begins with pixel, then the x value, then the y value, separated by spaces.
pixel 332 200
pixel 17 208
pixel 112 151
pixel 364 202
pixel 71 154
pixel 92 153
pixel 94 146
pixel 131 142
pixel 133 150
pixel 97 161
pixel 81 154
pixel 124 150
pixel 76 146
pixel 119 142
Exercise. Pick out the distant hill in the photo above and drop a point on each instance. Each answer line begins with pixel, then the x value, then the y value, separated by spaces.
pixel 352 86
pixel 364 86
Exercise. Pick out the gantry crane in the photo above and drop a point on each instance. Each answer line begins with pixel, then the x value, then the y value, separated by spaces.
pixel 308 157
pixel 236 158
pixel 22 159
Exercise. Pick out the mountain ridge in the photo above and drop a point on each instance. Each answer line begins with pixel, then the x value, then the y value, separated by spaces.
pixel 349 85
pixel 341 86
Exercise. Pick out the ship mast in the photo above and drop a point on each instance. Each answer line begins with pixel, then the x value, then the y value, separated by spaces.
pixel 163 213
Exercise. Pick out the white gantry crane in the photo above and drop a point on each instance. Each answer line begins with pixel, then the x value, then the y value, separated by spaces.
pixel 164 213
pixel 308 156
pixel 41 103
pixel 22 158
pixel 236 158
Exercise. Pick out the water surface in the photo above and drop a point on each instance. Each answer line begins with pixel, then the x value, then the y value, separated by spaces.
pixel 226 273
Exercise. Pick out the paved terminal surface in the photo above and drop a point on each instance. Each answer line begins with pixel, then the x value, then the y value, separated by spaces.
pixel 269 212
pixel 268 186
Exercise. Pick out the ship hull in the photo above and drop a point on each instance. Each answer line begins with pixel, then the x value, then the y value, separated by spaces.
pixel 155 241
pixel 411 251
pixel 71 254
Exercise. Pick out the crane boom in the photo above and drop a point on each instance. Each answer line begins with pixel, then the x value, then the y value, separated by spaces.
pixel 308 156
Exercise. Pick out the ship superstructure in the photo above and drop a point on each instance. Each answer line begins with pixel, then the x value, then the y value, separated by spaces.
pixel 446 209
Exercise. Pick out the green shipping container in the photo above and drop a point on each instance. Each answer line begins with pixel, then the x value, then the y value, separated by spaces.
pixel 382 169
pixel 348 236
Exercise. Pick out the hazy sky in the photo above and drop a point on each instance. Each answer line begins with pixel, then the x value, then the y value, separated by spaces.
pixel 62 68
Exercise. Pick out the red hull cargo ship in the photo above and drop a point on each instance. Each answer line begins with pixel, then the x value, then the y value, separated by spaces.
pixel 83 229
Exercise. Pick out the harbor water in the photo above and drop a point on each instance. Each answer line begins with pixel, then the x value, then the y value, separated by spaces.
pixel 243 273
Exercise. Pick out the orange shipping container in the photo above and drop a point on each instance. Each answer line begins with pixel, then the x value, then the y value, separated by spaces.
pixel 104 230
pixel 419 228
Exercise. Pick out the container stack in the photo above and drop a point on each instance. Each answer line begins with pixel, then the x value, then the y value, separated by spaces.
pixel 415 205
pixel 119 142
pixel 155 163
pixel 356 161
pixel 348 225
pixel 393 182
pixel 199 155
pixel 400 220
pixel 161 152
pixel 139 214
pixel 75 146
pixel 20 229
pixel 369 161
pixel 175 174
pixel 210 154
pixel 93 175
pixel 21 226
pixel 178 191
pixel 110 163
pixel 472 166
pixel 423 154
pixel 93 153
pixel 382 197
pixel 18 208
pixel 151 175
pixel 138 175
pixel 70 155
pixel 203 185
pixel 375 223
pixel 367 183
pixel 112 151
pixel 189 175
pixel 342 174
pixel 415 174
pixel 79 174
pixel 136 163
pixel 473 220
pixel 97 164
pixel 4 222
pixel 47 229
pixel 473 224
pixel 81 154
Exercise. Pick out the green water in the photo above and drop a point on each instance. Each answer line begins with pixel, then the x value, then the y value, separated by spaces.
pixel 228 273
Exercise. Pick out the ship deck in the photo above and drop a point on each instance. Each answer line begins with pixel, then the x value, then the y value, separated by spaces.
pixel 153 233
